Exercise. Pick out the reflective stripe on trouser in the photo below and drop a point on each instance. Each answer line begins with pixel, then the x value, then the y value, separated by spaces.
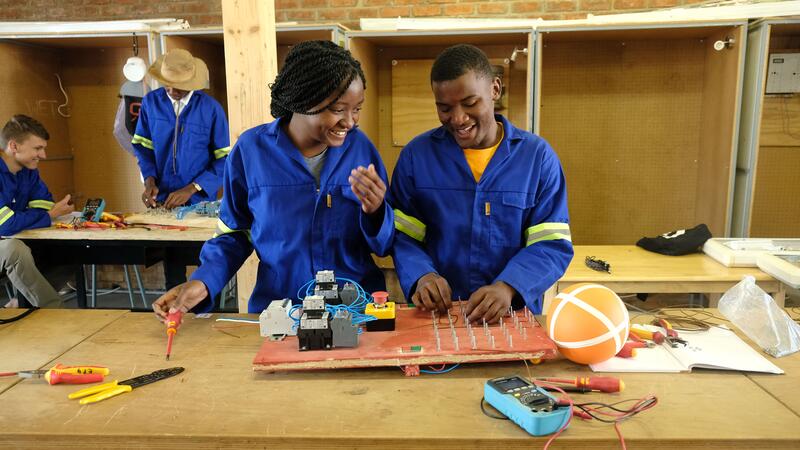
pixel 409 225
pixel 547 231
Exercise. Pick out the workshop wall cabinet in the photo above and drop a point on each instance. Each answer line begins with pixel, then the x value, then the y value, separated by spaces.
pixel 644 119
pixel 399 102
pixel 84 159
pixel 768 166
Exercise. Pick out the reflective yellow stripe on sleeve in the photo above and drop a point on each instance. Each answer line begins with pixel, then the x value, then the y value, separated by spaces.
pixel 5 214
pixel 409 225
pixel 547 231
pixel 43 204
pixel 143 141
pixel 224 229
pixel 221 152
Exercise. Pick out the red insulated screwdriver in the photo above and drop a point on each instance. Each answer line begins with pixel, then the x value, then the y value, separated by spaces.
pixel 602 384
pixel 173 322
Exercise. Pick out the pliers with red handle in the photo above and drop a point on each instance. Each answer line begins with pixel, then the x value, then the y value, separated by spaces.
pixel 672 336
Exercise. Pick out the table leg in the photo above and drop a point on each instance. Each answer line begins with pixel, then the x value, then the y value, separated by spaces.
pixel 80 287
pixel 780 296
pixel 713 299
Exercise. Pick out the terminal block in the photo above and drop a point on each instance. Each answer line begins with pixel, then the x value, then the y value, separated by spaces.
pixel 275 321
pixel 348 294
pixel 345 333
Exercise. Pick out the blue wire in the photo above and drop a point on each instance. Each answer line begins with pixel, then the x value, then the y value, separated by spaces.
pixel 437 372
pixel 356 308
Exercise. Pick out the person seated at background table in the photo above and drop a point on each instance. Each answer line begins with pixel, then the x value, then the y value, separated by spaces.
pixel 480 205
pixel 25 203
pixel 306 191
pixel 181 142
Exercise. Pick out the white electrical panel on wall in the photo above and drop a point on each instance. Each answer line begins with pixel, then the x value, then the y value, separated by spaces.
pixel 783 74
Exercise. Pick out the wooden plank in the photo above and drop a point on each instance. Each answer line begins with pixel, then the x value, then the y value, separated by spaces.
pixel 250 61
pixel 135 234
pixel 413 108
pixel 415 328
pixel 218 402
pixel 190 220
pixel 624 117
pixel 40 339
pixel 718 130
pixel 251 64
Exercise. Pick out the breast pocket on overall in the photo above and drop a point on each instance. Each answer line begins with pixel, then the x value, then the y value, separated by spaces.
pixel 196 138
pixel 344 211
pixel 507 218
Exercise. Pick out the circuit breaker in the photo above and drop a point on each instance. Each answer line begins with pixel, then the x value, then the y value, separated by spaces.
pixel 783 73
pixel 275 321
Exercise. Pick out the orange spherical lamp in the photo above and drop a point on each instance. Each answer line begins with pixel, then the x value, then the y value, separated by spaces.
pixel 588 322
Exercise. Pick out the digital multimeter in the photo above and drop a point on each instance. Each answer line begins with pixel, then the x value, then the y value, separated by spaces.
pixel 93 210
pixel 530 407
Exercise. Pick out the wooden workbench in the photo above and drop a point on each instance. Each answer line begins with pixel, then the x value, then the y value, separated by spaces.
pixel 126 234
pixel 129 246
pixel 635 270
pixel 220 402
pixel 45 335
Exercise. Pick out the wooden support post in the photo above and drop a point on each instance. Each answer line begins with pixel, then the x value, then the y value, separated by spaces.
pixel 251 64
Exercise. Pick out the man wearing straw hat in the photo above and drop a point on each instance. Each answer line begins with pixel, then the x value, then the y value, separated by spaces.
pixel 181 143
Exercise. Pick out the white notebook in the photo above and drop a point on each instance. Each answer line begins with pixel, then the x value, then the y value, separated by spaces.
pixel 715 348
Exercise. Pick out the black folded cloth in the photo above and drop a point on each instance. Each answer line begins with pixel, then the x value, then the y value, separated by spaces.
pixel 678 242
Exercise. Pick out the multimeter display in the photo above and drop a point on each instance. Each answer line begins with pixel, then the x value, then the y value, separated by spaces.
pixel 93 210
pixel 526 404
pixel 509 384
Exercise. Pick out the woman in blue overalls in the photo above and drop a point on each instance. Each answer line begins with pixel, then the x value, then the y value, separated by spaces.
pixel 306 191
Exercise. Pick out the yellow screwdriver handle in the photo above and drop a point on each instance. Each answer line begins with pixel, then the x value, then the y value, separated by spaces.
pixel 92 390
pixel 119 389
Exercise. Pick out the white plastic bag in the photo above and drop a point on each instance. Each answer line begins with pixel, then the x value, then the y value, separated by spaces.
pixel 758 316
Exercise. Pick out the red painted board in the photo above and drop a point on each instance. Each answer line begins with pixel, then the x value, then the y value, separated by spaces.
pixel 415 327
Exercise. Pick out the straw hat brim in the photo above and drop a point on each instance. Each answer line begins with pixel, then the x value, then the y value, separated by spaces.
pixel 198 81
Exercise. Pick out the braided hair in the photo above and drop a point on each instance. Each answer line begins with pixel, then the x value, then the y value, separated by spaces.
pixel 312 72
pixel 459 59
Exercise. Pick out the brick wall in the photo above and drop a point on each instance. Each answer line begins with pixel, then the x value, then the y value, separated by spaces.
pixel 346 12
